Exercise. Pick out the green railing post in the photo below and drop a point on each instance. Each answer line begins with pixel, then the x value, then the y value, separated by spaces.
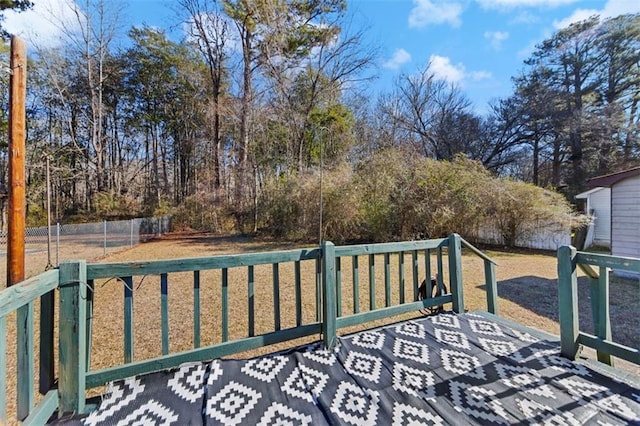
pixel 89 302
pixel 72 336
pixel 492 286
pixel 3 370
pixel 46 342
pixel 568 301
pixel 455 272
pixel 329 294
pixel 25 360
pixel 599 292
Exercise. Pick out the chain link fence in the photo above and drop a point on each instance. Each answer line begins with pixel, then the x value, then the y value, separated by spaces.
pixel 88 241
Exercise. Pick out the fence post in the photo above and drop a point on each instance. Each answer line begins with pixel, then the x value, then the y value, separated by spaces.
pixel 329 290
pixel 72 336
pixel 568 301
pixel 131 228
pixel 57 243
pixel 455 272
pixel 105 236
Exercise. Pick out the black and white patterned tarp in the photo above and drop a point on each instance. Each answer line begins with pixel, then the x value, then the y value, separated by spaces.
pixel 445 369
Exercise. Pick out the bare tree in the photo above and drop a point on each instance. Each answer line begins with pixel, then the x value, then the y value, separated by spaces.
pixel 430 110
pixel 210 31
pixel 78 73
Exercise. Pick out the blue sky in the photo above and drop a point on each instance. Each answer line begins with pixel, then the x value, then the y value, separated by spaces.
pixel 476 44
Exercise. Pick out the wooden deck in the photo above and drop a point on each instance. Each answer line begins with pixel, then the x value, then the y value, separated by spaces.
pixel 445 369
pixel 63 362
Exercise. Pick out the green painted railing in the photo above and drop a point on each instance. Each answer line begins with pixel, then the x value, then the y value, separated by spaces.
pixel 569 260
pixel 380 295
pixel 21 299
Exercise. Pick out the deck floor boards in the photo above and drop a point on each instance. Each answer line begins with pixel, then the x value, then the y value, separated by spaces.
pixel 444 369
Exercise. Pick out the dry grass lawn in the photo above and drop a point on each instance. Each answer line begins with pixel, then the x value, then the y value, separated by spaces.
pixel 527 287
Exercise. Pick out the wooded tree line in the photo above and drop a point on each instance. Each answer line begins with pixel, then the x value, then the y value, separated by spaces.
pixel 261 95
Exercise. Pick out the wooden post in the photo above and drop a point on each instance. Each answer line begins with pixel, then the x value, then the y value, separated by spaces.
pixel 600 311
pixel 17 132
pixel 568 301
pixel 455 272
pixel 492 287
pixel 329 294
pixel 49 265
pixel 72 336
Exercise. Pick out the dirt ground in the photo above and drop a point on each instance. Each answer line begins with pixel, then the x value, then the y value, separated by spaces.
pixel 527 289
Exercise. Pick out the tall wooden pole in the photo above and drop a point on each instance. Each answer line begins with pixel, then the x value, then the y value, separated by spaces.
pixel 17 181
pixel 49 265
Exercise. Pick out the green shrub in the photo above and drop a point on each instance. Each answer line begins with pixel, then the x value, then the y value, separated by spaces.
pixel 521 209
pixel 378 180
pixel 290 206
pixel 395 196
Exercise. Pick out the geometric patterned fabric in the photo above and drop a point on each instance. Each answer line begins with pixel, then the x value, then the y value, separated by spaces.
pixel 444 369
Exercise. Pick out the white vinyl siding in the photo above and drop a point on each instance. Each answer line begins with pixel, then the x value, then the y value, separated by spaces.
pixel 625 226
pixel 598 204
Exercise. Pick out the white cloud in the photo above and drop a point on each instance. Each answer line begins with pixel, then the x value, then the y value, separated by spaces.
pixel 611 8
pixel 443 69
pixel 496 38
pixel 427 12
pixel 479 75
pixel 513 4
pixel 525 17
pixel 400 56
pixel 43 24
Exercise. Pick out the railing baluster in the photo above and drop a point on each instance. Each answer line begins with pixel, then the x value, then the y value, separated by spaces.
pixel 225 304
pixel 3 371
pixel 338 287
pixel 401 276
pixel 46 369
pixel 164 312
pixel 90 295
pixel 276 295
pixel 356 284
pixel 387 279
pixel 492 286
pixel 128 319
pixel 25 355
pixel 329 290
pixel 196 309
pixel 252 300
pixel 318 290
pixel 439 274
pixel 603 325
pixel 427 264
pixel 298 292
pixel 454 255
pixel 372 282
pixel 416 274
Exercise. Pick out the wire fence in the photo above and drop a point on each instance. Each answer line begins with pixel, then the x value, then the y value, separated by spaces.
pixel 86 240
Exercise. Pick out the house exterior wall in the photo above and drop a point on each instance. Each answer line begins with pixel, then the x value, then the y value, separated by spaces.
pixel 600 203
pixel 625 223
